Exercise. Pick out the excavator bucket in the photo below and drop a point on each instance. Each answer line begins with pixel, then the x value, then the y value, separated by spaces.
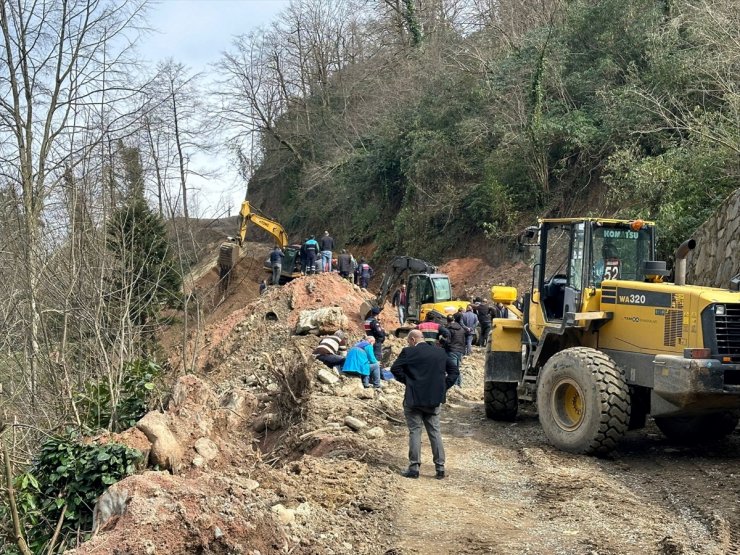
pixel 228 255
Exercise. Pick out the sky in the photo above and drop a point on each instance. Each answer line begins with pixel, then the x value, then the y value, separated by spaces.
pixel 195 33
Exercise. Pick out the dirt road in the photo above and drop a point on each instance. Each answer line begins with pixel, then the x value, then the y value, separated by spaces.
pixel 509 492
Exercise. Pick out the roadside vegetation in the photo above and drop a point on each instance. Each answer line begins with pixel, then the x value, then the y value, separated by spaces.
pixel 426 128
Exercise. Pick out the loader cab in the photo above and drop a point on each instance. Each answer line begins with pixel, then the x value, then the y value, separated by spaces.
pixel 578 255
pixel 424 289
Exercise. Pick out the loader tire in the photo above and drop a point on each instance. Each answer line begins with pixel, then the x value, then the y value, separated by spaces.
pixel 703 428
pixel 583 401
pixel 501 400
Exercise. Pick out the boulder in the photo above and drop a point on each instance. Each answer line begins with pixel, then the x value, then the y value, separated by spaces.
pixel 327 377
pixel 166 451
pixel 323 320
pixel 206 448
pixel 354 423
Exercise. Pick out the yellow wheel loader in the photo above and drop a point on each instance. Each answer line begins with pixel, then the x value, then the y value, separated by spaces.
pixel 602 340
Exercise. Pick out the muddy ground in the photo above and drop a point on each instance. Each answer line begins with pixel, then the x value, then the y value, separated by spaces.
pixel 317 487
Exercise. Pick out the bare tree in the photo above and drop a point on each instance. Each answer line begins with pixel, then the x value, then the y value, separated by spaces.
pixel 55 56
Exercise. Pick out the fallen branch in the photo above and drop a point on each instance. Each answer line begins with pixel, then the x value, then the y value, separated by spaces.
pixel 57 530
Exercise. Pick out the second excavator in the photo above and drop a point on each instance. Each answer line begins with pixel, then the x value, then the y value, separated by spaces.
pixel 426 289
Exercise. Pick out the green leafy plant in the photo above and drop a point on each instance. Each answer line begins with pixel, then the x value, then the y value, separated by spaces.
pixel 67 475
pixel 136 389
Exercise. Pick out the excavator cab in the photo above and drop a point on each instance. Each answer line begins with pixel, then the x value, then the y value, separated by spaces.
pixel 423 290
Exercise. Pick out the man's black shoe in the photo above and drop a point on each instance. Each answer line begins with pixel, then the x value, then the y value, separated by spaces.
pixel 410 473
pixel 440 475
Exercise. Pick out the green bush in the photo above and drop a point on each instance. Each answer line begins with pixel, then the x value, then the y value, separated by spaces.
pixel 67 474
pixel 136 389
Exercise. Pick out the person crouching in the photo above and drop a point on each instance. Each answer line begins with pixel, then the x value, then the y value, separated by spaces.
pixel 361 360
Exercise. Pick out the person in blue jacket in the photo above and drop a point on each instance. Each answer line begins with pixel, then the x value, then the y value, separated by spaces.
pixel 312 251
pixel 361 360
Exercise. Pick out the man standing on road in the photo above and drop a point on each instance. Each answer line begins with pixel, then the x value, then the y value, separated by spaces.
pixel 327 246
pixel 276 261
pixel 427 374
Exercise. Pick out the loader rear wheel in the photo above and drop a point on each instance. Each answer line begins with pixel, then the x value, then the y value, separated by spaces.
pixel 501 400
pixel 703 428
pixel 583 401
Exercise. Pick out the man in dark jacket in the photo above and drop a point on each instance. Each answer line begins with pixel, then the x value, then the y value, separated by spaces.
pixel 327 245
pixel 484 312
pixel 454 343
pixel 276 262
pixel 344 264
pixel 427 374
pixel 374 329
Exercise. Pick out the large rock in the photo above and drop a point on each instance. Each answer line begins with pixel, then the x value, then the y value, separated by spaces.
pixel 327 377
pixel 166 451
pixel 324 320
pixel 206 448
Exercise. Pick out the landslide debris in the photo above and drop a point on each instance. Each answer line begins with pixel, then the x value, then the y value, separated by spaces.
pixel 254 454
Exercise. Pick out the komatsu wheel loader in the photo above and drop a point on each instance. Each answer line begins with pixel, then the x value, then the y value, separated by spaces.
pixel 602 340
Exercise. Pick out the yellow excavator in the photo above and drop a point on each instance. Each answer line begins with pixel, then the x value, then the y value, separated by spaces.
pixel 426 291
pixel 603 340
pixel 230 250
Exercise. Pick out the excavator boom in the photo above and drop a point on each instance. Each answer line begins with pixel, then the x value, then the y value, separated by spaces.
pixel 270 226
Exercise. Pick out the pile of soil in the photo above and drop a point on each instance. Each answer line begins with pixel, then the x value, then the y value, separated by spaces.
pixel 473 277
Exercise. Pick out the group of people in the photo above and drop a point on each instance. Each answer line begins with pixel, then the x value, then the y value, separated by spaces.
pixel 316 256
pixel 362 359
pixel 425 370
pixel 428 367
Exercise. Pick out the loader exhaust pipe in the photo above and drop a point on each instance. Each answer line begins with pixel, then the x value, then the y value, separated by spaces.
pixel 681 253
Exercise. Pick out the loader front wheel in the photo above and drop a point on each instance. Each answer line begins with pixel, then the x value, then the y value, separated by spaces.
pixel 703 428
pixel 583 401
pixel 501 400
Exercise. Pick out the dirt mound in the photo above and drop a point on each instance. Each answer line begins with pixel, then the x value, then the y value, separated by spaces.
pixel 269 457
pixel 473 277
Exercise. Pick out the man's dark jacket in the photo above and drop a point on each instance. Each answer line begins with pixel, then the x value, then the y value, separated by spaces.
pixel 484 313
pixel 427 374
pixel 345 262
pixel 455 342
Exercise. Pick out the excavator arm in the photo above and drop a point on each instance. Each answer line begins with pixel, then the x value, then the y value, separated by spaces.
pixel 393 277
pixel 270 226
pixel 228 256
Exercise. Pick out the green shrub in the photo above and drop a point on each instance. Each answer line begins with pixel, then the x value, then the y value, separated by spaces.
pixel 67 474
pixel 136 389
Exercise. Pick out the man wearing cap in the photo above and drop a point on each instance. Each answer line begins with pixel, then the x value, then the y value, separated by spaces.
pixel 374 329
pixel 331 348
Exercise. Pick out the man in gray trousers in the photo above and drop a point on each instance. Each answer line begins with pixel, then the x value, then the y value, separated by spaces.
pixel 427 374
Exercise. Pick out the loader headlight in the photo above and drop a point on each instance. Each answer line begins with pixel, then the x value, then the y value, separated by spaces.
pixel 719 310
